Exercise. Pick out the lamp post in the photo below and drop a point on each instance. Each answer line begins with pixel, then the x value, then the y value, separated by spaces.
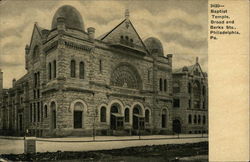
pixel 94 130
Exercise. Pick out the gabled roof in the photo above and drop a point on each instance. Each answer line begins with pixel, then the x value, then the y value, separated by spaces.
pixel 40 32
pixel 189 68
pixel 104 37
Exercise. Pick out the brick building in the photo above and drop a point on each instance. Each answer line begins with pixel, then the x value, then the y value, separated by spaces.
pixel 115 84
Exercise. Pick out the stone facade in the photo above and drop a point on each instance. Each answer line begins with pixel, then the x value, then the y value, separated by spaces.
pixel 77 84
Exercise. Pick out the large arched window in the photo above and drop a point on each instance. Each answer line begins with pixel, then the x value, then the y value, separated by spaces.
pixel 81 70
pixel 103 114
pixel 126 76
pixel 160 84
pixel 50 71
pixel 190 119
pixel 73 68
pixel 126 115
pixel 165 85
pixel 54 68
pixel 147 116
pixel 176 88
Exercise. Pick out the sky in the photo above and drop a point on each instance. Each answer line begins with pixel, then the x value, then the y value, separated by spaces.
pixel 181 25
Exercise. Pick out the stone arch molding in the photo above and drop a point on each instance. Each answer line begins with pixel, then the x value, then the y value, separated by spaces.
pixel 126 75
pixel 115 101
pixel 71 108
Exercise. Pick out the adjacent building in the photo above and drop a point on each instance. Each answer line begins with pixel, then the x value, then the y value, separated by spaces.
pixel 114 84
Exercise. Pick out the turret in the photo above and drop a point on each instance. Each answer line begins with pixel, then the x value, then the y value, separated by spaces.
pixel 91 33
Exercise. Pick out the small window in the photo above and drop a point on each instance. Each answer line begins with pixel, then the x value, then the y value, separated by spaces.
pixel 189 88
pixel 73 69
pixel 147 116
pixel 160 84
pixel 46 111
pixel 50 71
pixel 165 85
pixel 100 65
pixel 81 70
pixel 126 115
pixel 195 119
pixel 54 68
pixel 204 119
pixel 199 119
pixel 176 103
pixel 103 114
pixel 190 119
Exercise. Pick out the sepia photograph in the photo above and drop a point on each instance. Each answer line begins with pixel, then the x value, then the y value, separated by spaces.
pixel 104 80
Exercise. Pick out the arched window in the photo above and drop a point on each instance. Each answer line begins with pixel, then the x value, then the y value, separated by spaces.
pixel 126 115
pixel 204 90
pixel 176 88
pixel 54 68
pixel 122 39
pixel 73 68
pixel 160 84
pixel 45 111
pixel 53 115
pixel 103 114
pixel 81 70
pixel 147 116
pixel 78 115
pixel 165 85
pixel 190 119
pixel 50 71
pixel 195 119
pixel 199 119
pixel 164 118
pixel 204 119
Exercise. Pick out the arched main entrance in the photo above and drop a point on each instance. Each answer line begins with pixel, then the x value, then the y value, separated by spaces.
pixel 116 119
pixel 138 119
pixel 176 126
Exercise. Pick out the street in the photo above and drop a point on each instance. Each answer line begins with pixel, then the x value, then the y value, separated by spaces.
pixel 16 146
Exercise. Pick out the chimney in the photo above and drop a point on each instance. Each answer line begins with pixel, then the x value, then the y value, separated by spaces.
pixel 61 24
pixel 1 80
pixel 27 49
pixel 13 82
pixel 197 60
pixel 91 33
pixel 127 14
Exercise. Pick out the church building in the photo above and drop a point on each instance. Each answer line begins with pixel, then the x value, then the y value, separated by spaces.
pixel 78 84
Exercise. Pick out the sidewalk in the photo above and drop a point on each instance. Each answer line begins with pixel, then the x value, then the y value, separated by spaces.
pixel 102 143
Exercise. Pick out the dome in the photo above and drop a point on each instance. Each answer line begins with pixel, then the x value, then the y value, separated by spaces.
pixel 73 18
pixel 154 45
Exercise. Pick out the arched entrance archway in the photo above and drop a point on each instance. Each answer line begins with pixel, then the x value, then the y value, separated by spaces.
pixel 176 126
pixel 138 119
pixel 116 119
